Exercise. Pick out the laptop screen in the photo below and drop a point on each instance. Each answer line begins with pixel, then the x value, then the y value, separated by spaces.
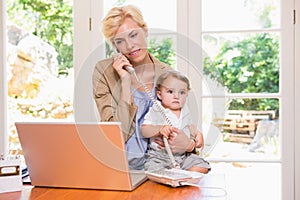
pixel 76 155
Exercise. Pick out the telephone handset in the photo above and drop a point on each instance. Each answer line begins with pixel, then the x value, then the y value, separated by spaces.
pixel 129 69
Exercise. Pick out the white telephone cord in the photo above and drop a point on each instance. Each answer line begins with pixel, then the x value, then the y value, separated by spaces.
pixel 167 146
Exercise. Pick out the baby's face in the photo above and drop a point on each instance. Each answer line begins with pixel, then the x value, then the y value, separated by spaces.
pixel 173 93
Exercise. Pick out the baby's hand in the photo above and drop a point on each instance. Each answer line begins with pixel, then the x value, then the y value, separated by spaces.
pixel 165 131
pixel 172 136
pixel 168 131
pixel 199 139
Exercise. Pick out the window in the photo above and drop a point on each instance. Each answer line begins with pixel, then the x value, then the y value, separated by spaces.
pixel 38 64
pixel 226 22
pixel 242 54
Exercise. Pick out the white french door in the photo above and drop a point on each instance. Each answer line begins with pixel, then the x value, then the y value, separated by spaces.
pixel 189 30
pixel 221 18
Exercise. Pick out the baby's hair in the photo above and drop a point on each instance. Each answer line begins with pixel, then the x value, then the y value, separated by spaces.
pixel 172 73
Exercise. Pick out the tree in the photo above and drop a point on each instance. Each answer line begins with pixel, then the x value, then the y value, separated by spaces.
pixel 163 51
pixel 248 66
pixel 49 20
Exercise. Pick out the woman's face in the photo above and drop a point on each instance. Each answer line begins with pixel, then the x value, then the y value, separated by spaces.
pixel 131 40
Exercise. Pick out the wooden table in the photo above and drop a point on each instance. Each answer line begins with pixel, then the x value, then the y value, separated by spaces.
pixel 148 190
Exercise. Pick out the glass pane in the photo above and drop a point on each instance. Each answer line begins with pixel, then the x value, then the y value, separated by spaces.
pixel 39 63
pixel 220 15
pixel 243 62
pixel 154 15
pixel 162 46
pixel 241 128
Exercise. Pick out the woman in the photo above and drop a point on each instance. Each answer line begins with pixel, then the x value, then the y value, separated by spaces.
pixel 118 95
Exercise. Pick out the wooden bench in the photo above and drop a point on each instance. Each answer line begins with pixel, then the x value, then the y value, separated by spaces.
pixel 242 124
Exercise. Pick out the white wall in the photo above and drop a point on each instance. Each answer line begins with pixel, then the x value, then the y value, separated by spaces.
pixel 88 49
pixel 297 104
pixel 3 82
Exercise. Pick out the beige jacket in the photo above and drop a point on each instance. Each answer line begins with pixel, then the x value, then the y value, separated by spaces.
pixel 107 90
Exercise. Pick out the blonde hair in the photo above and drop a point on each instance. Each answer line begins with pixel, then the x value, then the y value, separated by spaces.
pixel 172 73
pixel 116 16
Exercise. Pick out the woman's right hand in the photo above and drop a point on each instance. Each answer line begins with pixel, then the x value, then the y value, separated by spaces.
pixel 119 62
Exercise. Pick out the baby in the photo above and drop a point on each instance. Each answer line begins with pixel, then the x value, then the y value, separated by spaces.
pixel 172 90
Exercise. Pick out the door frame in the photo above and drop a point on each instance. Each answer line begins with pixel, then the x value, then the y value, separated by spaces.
pixel 297 100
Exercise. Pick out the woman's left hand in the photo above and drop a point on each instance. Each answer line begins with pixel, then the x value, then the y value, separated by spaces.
pixel 179 143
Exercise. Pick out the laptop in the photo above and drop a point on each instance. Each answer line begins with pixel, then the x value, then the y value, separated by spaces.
pixel 77 155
